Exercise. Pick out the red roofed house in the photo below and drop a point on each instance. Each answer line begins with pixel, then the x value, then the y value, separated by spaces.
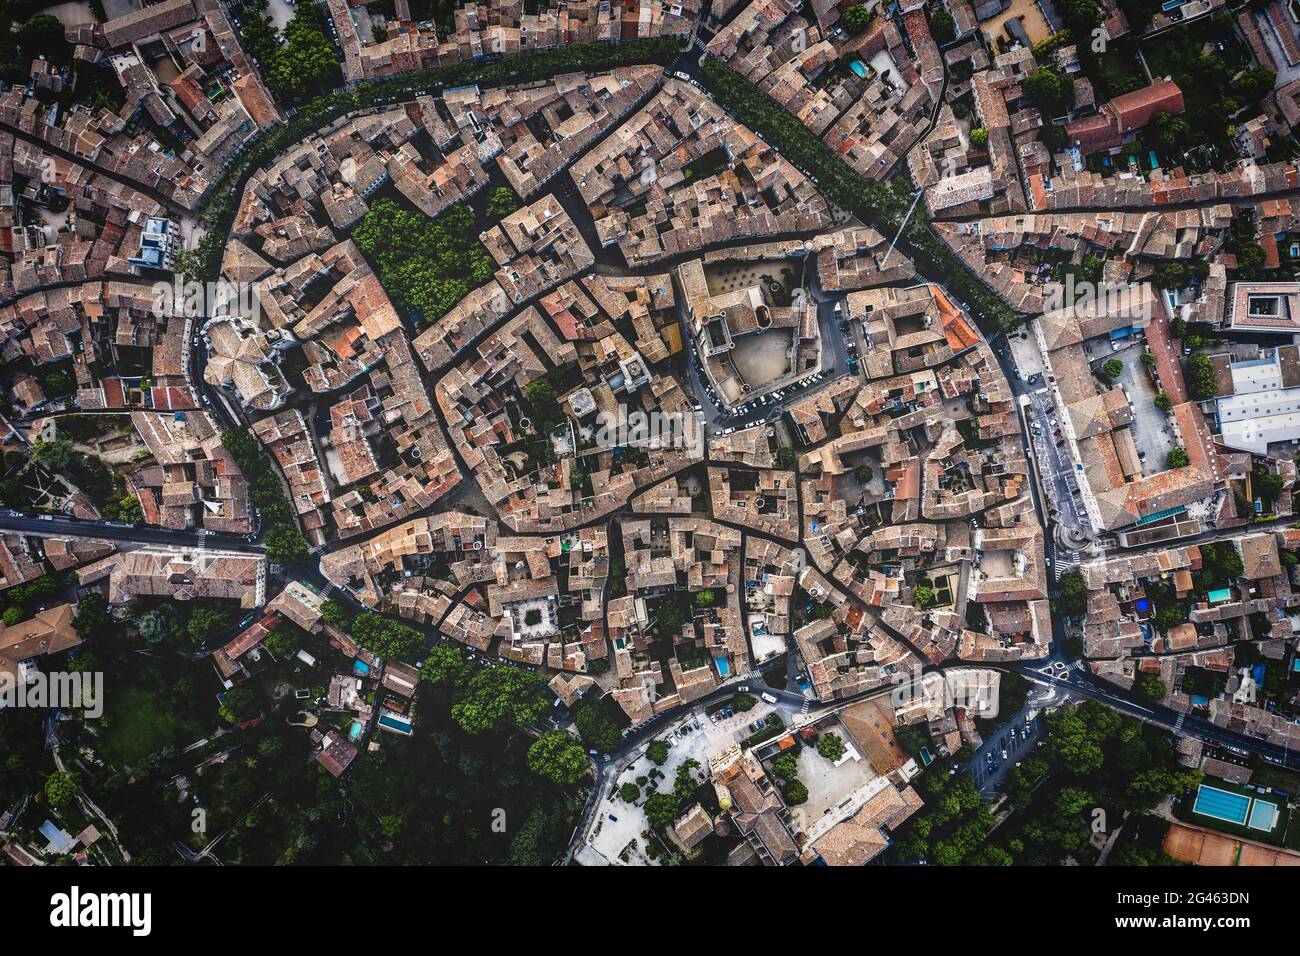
pixel 1124 115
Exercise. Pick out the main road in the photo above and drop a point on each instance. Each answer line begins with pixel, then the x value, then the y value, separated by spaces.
pixel 120 532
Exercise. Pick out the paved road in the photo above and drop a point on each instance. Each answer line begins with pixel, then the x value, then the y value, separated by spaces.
pixel 121 533
pixel 1086 684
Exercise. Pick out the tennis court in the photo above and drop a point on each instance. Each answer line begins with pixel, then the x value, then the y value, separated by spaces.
pixel 1222 805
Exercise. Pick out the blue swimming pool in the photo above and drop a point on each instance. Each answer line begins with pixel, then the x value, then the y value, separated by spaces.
pixel 1263 815
pixel 393 722
pixel 1222 805
pixel 360 667
pixel 857 67
pixel 723 667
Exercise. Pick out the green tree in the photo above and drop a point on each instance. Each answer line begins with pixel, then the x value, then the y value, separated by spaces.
pixel 305 61
pixel 1170 274
pixel 786 766
pixel 743 702
pixel 1254 84
pixel 92 615
pixel 629 792
pixel 61 789
pixel 260 40
pixel 502 202
pixel 239 704
pixel 332 612
pixel 924 596
pixel 1053 136
pixel 1074 594
pixel 1113 368
pixel 660 810
pixel 1177 458
pixel 1046 89
pixel 157 625
pixel 446 666
pixel 56 454
pixel 942 26
pixel 127 508
pixel 795 793
pixel 1171 133
pixel 1200 377
pixel 499 697
pixel 857 18
pixel 1151 687
pixel 386 637
pixel 559 757
pixel 596 727
pixel 657 751
pixel 831 747
pixel 285 545
pixel 13 615
pixel 205 622
pixel 1162 401
pixel 979 137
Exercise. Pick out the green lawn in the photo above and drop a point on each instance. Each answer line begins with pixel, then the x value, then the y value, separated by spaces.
pixel 153 701
pixel 142 722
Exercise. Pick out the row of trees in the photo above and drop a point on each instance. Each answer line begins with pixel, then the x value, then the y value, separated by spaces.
pixel 883 206
pixel 219 204
pixel 284 541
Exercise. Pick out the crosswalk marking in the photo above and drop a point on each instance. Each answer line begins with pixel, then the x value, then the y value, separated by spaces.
pixel 1064 566
pixel 1178 724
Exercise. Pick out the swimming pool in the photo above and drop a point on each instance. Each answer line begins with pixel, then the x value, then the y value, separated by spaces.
pixel 393 722
pixel 1221 804
pixel 360 667
pixel 857 67
pixel 1263 815
pixel 356 729
pixel 723 667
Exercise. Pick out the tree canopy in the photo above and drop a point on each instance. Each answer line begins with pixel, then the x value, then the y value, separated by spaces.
pixel 560 757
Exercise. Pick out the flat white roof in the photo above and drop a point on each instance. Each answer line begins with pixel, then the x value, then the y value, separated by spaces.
pixel 1255 434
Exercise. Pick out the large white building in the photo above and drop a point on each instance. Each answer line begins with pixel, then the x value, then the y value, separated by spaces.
pixel 1264 406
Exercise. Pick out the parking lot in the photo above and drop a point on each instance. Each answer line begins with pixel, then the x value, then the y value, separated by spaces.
pixel 696 736
pixel 1003 750
pixel 1153 432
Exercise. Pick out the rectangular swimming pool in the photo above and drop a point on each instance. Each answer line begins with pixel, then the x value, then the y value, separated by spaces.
pixel 393 722
pixel 1222 805
pixel 1263 815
